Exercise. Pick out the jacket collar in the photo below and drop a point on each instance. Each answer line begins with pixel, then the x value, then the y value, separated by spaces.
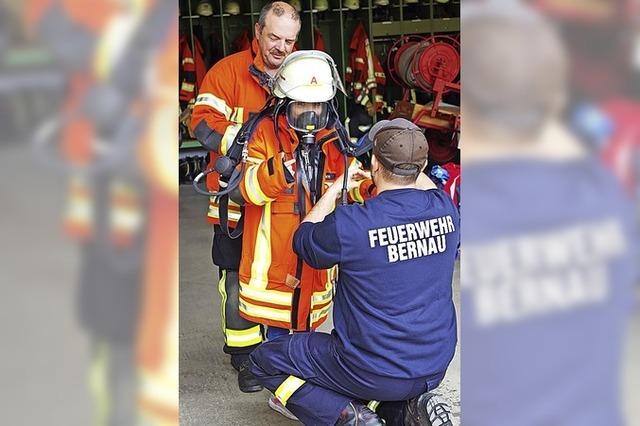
pixel 256 69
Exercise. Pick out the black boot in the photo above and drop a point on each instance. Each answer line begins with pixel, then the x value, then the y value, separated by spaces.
pixel 247 382
pixel 358 414
pixel 428 409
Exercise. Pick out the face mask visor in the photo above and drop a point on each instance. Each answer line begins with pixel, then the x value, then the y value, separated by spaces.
pixel 307 117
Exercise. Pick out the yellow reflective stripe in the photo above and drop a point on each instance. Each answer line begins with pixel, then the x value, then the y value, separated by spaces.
pixel 264 312
pixel 287 388
pixel 188 87
pixel 209 99
pixel 373 405
pixel 355 195
pixel 228 137
pixel 243 338
pixel 322 297
pixel 252 185
pixel 272 296
pixel 254 160
pixel 238 115
pixel 262 251
pixel 187 61
pixel 223 300
pixel 316 314
pixel 214 213
pixel 359 60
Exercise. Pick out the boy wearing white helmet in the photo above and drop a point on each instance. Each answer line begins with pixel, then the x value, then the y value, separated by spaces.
pixel 292 157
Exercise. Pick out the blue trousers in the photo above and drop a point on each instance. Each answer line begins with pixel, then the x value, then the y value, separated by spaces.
pixel 304 371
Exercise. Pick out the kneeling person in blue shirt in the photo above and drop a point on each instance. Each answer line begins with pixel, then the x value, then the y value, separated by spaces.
pixel 394 318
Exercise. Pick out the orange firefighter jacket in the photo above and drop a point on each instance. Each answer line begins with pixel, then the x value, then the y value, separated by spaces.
pixel 364 74
pixel 269 291
pixel 234 88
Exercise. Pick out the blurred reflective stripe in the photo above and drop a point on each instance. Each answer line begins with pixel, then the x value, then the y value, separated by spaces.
pixel 99 385
pixel 359 60
pixel 243 338
pixel 113 42
pixel 287 388
pixel 317 314
pixel 208 99
pixel 229 136
pixel 262 251
pixel 162 392
pixel 264 312
pixel 80 209
pixel 270 296
pixel 126 216
pixel 252 185
pixel 373 405
pixel 188 60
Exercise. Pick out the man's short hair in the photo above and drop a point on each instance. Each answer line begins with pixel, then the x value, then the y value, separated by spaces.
pixel 279 8
pixel 401 149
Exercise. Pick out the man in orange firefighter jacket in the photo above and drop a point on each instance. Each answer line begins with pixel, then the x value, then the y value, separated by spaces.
pixel 234 89
pixel 292 158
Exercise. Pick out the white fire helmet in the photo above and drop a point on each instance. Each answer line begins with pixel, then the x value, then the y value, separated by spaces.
pixel 232 7
pixel 204 8
pixel 307 76
pixel 296 5
pixel 381 2
pixel 351 4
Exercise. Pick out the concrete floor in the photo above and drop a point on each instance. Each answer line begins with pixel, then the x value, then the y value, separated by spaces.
pixel 208 386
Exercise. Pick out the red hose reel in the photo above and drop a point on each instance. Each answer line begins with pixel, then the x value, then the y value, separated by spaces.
pixel 430 64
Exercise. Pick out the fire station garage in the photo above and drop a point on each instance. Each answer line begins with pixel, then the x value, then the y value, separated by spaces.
pixel 393 59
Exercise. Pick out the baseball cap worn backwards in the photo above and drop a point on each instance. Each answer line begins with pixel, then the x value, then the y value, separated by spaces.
pixel 399 145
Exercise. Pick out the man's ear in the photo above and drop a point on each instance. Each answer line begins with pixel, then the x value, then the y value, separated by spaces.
pixel 256 30
pixel 375 165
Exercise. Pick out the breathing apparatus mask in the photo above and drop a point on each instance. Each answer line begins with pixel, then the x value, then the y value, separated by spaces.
pixel 305 85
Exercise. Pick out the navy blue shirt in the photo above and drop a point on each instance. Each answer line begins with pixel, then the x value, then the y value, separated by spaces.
pixel 393 309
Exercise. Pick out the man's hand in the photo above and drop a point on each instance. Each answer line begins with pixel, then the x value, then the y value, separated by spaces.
pixel 356 175
pixel 327 202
